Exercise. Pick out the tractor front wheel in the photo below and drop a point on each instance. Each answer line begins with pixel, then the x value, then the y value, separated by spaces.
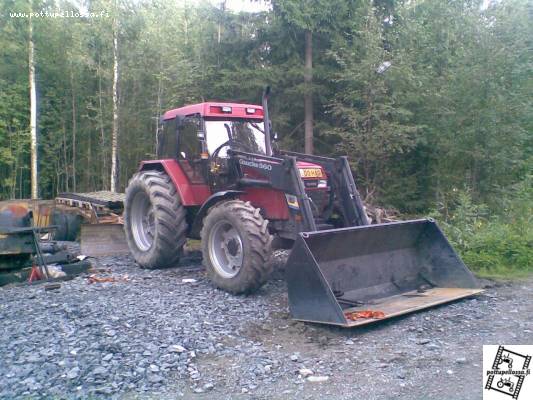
pixel 154 220
pixel 236 247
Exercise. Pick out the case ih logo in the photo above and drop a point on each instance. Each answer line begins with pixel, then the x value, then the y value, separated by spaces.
pixel 255 164
pixel 509 372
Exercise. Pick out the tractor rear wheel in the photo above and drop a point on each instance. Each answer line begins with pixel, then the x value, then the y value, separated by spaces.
pixel 154 220
pixel 236 247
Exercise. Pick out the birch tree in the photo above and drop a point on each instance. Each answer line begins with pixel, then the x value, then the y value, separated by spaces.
pixel 114 138
pixel 33 114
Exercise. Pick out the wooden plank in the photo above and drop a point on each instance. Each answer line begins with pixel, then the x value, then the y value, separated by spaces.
pixel 103 240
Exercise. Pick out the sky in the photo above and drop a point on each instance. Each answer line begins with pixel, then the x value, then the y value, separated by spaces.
pixel 239 5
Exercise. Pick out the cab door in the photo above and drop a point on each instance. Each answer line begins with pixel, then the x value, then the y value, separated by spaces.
pixel 189 150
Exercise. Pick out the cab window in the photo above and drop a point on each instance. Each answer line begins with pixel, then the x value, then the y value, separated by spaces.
pixel 189 145
pixel 167 141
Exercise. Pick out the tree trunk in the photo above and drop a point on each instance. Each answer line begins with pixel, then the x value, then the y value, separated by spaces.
pixel 33 118
pixel 158 107
pixel 74 128
pixel 114 139
pixel 65 158
pixel 103 149
pixel 308 95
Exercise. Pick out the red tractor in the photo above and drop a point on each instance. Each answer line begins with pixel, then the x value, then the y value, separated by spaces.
pixel 220 179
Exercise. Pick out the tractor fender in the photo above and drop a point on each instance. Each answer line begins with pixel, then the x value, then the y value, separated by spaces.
pixel 191 194
pixel 210 202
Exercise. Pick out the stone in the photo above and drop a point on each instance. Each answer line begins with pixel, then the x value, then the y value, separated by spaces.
pixel 176 348
pixel 73 373
pixel 154 378
pixel 100 371
pixel 317 379
pixel 305 372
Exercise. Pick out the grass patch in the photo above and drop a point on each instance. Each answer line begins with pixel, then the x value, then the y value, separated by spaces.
pixel 493 246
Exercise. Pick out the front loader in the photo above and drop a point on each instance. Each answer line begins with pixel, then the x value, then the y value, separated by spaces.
pixel 220 178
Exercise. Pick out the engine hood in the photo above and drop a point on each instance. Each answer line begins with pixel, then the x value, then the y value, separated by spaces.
pixel 310 171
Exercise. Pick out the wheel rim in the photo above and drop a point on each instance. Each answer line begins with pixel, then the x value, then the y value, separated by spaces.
pixel 142 221
pixel 225 249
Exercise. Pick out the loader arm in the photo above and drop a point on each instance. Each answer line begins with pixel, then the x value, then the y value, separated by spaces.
pixel 277 173
pixel 342 183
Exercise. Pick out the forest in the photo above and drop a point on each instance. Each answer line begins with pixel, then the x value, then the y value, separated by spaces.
pixel 431 100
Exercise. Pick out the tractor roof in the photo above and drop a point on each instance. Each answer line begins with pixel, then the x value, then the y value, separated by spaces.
pixel 218 110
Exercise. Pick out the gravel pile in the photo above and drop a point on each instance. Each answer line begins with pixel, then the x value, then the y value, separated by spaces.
pixel 170 334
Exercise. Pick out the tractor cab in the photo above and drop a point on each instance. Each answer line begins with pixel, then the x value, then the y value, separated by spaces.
pixel 209 129
pixel 200 137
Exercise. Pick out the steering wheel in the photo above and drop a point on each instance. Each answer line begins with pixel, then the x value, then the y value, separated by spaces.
pixel 227 143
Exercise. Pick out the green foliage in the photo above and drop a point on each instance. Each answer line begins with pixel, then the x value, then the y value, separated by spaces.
pixel 375 126
pixel 497 246
pixel 453 111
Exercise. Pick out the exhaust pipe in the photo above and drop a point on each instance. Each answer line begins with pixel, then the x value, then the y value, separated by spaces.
pixel 266 119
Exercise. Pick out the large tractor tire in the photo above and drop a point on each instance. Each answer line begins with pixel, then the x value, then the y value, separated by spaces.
pixel 236 247
pixel 154 220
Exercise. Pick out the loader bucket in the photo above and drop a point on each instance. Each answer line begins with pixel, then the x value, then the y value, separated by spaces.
pixel 389 269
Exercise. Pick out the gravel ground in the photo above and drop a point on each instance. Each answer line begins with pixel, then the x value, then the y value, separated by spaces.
pixel 151 335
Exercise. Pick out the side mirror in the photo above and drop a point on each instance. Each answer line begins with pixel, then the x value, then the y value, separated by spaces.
pixel 200 135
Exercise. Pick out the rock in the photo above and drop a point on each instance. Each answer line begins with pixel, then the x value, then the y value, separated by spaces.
pixel 460 360
pixel 294 357
pixel 317 378
pixel 73 373
pixel 305 372
pixel 208 386
pixel 176 348
pixel 423 341
pixel 103 390
pixel 107 357
pixel 100 371
pixel 154 378
pixel 449 372
pixel 154 368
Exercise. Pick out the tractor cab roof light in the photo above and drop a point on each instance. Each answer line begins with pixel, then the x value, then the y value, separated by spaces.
pixel 226 109
pixel 250 111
